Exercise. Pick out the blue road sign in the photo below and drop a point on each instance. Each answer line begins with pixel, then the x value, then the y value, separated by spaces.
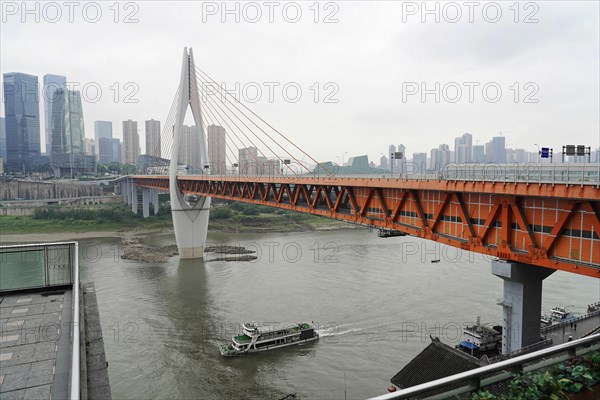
pixel 545 152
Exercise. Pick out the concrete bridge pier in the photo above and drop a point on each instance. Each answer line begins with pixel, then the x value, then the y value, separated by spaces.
pixel 146 195
pixel 125 192
pixel 134 197
pixel 154 201
pixel 521 303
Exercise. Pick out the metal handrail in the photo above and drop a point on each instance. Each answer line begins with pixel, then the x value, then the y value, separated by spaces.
pixel 75 368
pixel 476 374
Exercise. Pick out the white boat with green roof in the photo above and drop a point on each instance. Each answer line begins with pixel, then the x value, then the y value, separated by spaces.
pixel 254 339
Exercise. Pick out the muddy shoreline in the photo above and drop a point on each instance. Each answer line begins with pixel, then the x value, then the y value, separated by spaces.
pixel 134 249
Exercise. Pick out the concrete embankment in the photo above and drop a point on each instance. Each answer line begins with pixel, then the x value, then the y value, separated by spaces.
pixel 11 189
pixel 28 207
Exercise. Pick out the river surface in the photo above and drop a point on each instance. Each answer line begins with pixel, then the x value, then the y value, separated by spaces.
pixel 375 302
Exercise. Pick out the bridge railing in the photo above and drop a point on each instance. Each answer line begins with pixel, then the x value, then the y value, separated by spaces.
pixel 479 378
pixel 569 173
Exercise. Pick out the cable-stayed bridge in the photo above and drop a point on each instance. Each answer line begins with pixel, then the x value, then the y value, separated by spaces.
pixel 542 216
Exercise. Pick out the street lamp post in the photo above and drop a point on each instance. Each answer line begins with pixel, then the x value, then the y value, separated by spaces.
pixel 539 153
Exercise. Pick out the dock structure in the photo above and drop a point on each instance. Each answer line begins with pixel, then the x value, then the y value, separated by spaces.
pixel 46 321
pixel 575 328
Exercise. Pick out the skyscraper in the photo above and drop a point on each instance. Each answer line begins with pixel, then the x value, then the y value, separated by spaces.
pixel 383 163
pixel 440 157
pixel 478 153
pixel 495 150
pixel 22 119
pixel 51 84
pixel 68 131
pixel 153 138
pixel 419 163
pixel 103 137
pixel 463 149
pixel 117 150
pixel 216 149
pixel 68 154
pixel 131 142
pixel 2 139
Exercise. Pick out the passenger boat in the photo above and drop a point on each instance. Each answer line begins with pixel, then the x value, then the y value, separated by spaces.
pixel 558 315
pixel 254 340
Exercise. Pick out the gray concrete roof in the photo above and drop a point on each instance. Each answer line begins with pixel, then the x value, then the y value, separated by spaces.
pixel 35 346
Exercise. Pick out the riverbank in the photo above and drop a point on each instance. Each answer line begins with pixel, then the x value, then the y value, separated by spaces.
pixel 118 221
pixel 140 232
pixel 128 234
pixel 66 236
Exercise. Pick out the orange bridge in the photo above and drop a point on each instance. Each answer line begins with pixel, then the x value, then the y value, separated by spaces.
pixel 550 225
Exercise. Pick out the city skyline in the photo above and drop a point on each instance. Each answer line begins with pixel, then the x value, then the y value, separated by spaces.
pixel 566 102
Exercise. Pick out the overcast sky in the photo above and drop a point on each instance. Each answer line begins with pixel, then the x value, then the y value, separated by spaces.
pixel 375 54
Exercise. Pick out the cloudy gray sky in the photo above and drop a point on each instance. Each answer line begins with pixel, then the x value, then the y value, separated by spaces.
pixel 544 56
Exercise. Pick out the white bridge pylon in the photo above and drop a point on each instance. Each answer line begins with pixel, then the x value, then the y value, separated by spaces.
pixel 190 221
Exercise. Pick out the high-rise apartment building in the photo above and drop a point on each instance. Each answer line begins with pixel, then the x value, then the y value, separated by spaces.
pixel 153 138
pixel 131 142
pixel 495 150
pixel 383 163
pixel 103 136
pixel 216 149
pixel 463 149
pixel 51 84
pixel 419 163
pixel 22 120
pixel 248 161
pixel 478 154
pixel 440 157
pixel 189 153
pixel 516 156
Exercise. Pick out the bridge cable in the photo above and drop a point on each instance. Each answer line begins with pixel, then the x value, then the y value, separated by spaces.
pixel 243 145
pixel 241 131
pixel 266 123
pixel 250 129
pixel 211 120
